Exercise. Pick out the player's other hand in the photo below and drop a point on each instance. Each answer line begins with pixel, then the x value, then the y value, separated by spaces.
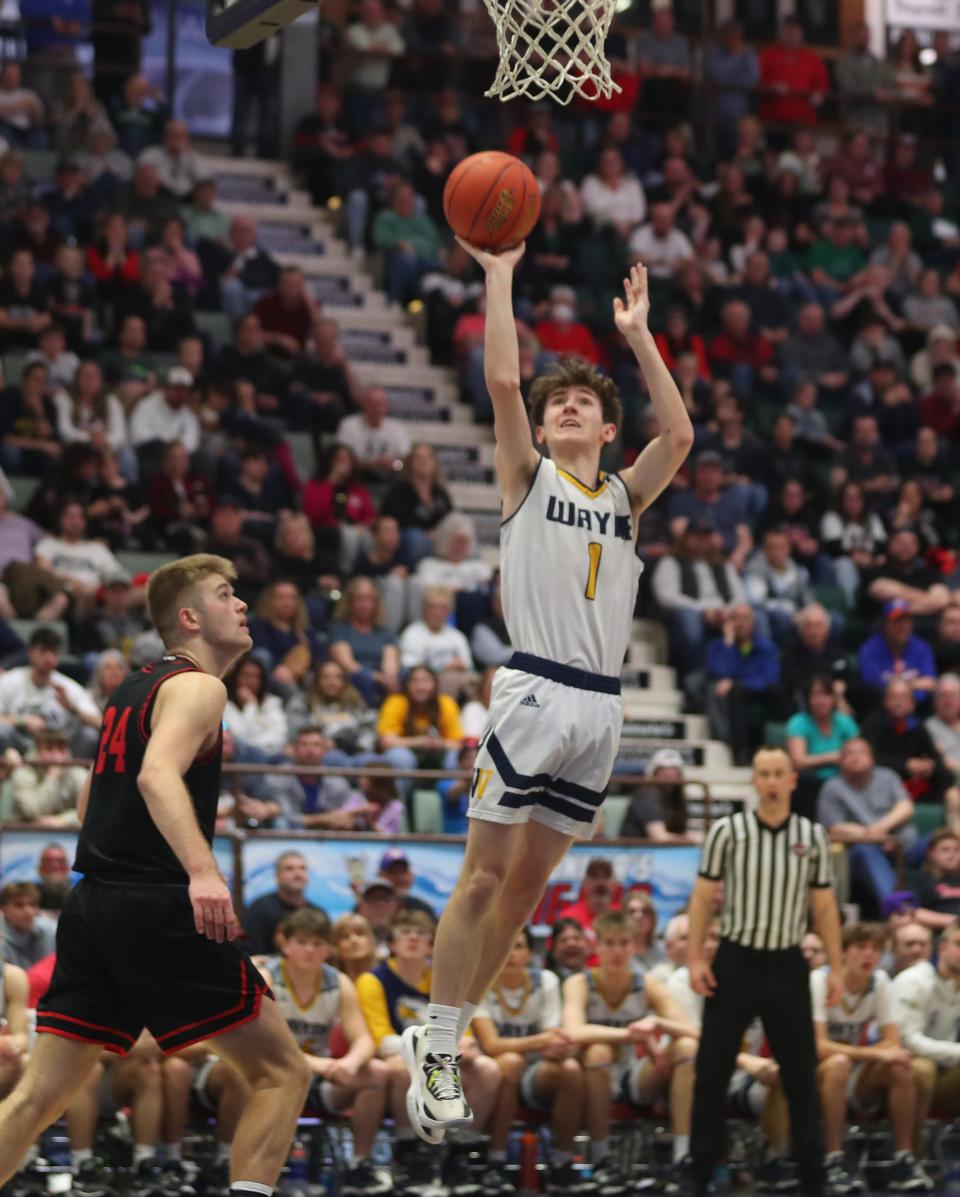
pixel 834 988
pixel 213 913
pixel 495 261
pixel 702 979
pixel 630 313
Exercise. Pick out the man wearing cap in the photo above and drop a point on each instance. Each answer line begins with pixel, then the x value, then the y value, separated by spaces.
pixel 695 587
pixel 867 808
pixel 377 902
pixel 266 913
pixel 45 790
pixel 657 812
pixel 166 415
pixel 599 893
pixel 724 508
pixel 894 652
pixel 113 624
pixel 395 866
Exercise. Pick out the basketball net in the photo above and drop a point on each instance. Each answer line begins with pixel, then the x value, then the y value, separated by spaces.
pixel 552 48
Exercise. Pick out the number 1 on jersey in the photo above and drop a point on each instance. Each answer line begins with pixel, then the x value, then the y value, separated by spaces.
pixel 595 551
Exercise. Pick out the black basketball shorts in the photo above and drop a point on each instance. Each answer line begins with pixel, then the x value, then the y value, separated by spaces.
pixel 129 957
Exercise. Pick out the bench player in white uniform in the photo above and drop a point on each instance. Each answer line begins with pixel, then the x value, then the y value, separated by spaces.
pixel 863 1062
pixel 569 574
pixel 611 1010
pixel 313 998
pixel 754 1088
pixel 519 1026
pixel 926 1007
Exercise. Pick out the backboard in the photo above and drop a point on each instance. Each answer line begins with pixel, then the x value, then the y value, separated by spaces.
pixel 240 24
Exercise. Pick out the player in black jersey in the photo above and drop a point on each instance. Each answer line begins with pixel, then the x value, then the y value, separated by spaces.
pixel 146 938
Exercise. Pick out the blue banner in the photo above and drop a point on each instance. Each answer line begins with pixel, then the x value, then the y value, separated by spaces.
pixel 204 73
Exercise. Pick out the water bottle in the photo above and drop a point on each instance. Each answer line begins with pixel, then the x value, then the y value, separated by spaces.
pixel 721 1179
pixel 382 1153
pixel 295 1181
pixel 529 1178
pixel 327 1180
pixel 948 1153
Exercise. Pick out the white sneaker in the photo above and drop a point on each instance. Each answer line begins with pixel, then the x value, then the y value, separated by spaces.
pixel 435 1100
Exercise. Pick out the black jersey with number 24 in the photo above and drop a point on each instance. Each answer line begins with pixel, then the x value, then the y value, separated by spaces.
pixel 119 841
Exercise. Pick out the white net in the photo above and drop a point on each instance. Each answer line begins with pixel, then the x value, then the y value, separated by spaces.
pixel 552 48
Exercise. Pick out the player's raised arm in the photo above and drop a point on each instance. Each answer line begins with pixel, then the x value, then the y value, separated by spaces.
pixel 186 715
pixel 516 458
pixel 656 466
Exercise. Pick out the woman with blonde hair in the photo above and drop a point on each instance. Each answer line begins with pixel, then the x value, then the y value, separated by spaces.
pixel 646 949
pixel 354 945
pixel 360 645
pixel 108 672
pixel 282 636
pixel 418 501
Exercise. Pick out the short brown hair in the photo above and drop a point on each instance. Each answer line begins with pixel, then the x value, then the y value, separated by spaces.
pixel 168 585
pixel 613 922
pixel 943 833
pixel 575 372
pixel 306 921
pixel 413 918
pixel 865 933
pixel 19 889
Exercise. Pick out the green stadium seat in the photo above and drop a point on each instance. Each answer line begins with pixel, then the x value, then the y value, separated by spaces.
pixel 7 812
pixel 427 812
pixel 40 164
pixel 24 489
pixel 304 453
pixel 832 598
pixel 928 817
pixel 13 368
pixel 26 627
pixel 217 326
pixel 775 735
pixel 138 562
pixel 614 812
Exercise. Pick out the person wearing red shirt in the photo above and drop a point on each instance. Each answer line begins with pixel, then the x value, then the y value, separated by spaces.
pixel 287 314
pixel 598 894
pixel 339 497
pixel 793 79
pixel 677 338
pixel 940 408
pixel 738 354
pixel 563 333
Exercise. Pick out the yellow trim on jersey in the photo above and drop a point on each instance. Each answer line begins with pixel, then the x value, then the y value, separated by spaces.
pixel 591 494
pixel 288 981
pixel 595 973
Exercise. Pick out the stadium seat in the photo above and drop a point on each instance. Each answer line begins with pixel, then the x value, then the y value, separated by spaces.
pixel 139 562
pixel 24 489
pixel 427 812
pixel 614 812
pixel 304 453
pixel 216 326
pixel 26 627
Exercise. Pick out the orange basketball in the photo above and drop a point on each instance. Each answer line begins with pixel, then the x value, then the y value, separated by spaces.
pixel 491 200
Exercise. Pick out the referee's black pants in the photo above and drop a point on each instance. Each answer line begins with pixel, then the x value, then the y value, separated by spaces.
pixel 774 985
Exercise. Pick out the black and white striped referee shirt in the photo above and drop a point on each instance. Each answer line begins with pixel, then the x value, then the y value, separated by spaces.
pixel 767 874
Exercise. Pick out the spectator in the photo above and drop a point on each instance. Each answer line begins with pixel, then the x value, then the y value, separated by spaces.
pixel 815 651
pixel 666 67
pixel 927 307
pixel 312 801
pixel 943 725
pixel 45 790
pixel 865 83
pixel 256 717
pixel 874 343
pixel 140 116
pixel 114 624
pixel 409 239
pixel 868 809
pixel 395 866
pixel 563 332
pixel 36 696
pixel 732 72
pixel 724 509
pixel 177 164
pixel 813 354
pixel 911 943
pixel 455 791
pixel 454 565
pixel 418 501
pixel 568 948
pixel 695 587
pixel 612 196
pixel 379 441
pixel 282 636
pixel 793 79
pixel 904 575
pixel 256 86
pixel 336 707
pixel 776 584
pixel 207 225
pixel 82 564
pixel 247 360
pixel 323 146
pixel 358 643
pixel 937 889
pixel 165 416
pixel 374 42
pixel 676 942
pixel 598 894
pixel 109 671
pixel 336 496
pixel 78 117
pixel 939 409
pixel 33 591
pixel 323 387
pixel 143 204
pixel 854 536
pixel 743 357
pixel 660 245
pixel 866 460
pixel 297 556
pixel 490 639
pixel 815 738
pixel 244 270
pixel 743 690
pixel 86 414
pixel 21 109
pixel 658 812
pixel 377 904
pixel 906 181
pixel 262 917
pixel 419 728
pixel 28 935
pixel 24 303
pixel 433 641
pixel 901 742
pixel 53 353
pixel 287 314
pixel 895 653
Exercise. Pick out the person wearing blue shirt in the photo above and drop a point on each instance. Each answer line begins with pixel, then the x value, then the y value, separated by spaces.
pixel 894 652
pixel 816 736
pixel 743 690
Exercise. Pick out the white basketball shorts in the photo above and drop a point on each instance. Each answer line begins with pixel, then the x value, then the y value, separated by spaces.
pixel 552 736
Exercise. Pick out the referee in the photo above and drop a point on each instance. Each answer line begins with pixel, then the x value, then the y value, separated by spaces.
pixel 774 866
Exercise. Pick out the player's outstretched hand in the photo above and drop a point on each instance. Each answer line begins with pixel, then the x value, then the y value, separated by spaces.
pixel 630 313
pixel 834 988
pixel 702 979
pixel 213 913
pixel 495 261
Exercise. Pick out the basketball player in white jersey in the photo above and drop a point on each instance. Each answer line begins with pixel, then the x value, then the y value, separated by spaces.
pixel 569 574
pixel 862 1061
pixel 519 1026
pixel 313 998
pixel 611 1011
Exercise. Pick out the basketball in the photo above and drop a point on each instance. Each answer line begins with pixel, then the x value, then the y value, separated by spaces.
pixel 492 200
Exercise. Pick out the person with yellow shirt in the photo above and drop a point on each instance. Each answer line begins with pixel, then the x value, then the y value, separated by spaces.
pixel 419 726
pixel 393 996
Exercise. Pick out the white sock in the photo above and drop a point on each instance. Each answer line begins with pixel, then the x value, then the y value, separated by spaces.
pixel 599 1150
pixel 143 1151
pixel 442 1029
pixel 901 1155
pixel 223 1152
pixel 497 1155
pixel 833 1157
pixel 80 1156
pixel 467 1015
pixel 251 1186
pixel 171 1151
pixel 681 1147
pixel 559 1158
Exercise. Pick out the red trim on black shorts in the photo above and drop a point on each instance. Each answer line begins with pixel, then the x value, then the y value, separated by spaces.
pixel 110 1047
pixel 48 1021
pixel 217 1024
pixel 214 1032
